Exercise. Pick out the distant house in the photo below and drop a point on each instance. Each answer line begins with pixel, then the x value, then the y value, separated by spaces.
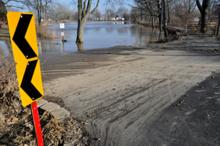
pixel 118 18
pixel 113 19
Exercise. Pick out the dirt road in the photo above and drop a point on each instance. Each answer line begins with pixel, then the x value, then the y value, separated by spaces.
pixel 122 93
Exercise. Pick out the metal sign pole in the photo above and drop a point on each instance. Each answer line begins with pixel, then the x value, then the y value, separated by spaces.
pixel 36 119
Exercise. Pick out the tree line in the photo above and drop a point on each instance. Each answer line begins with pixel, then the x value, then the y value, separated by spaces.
pixel 176 12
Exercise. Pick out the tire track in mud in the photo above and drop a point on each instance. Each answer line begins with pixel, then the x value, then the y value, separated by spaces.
pixel 149 107
pixel 120 100
pixel 159 104
pixel 125 96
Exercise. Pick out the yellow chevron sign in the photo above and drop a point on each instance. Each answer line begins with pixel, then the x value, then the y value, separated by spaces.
pixel 25 51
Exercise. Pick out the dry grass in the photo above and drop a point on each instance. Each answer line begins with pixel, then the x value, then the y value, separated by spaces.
pixel 16 127
pixel 45 33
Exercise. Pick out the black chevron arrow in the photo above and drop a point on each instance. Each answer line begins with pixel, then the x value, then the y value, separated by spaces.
pixel 19 36
pixel 26 84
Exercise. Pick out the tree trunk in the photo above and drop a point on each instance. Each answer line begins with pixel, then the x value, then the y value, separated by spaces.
pixel 39 18
pixel 81 23
pixel 218 26
pixel 84 10
pixel 152 22
pixel 80 32
pixel 203 13
pixel 203 22
pixel 160 19
pixel 164 18
pixel 39 11
pixel 168 12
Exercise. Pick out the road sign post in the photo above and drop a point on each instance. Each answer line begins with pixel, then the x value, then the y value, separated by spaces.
pixel 62 27
pixel 37 125
pixel 25 51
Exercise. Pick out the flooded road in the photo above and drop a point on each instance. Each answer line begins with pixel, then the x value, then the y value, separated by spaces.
pixel 98 35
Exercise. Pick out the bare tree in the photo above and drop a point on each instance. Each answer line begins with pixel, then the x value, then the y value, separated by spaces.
pixel 182 12
pixel 38 6
pixel 45 6
pixel 188 9
pixel 134 15
pixel 96 15
pixel 189 5
pixel 203 13
pixel 109 14
pixel 5 4
pixel 121 11
pixel 161 4
pixel 148 9
pixel 84 10
pixel 60 12
pixel 159 7
pixel 164 17
pixel 155 9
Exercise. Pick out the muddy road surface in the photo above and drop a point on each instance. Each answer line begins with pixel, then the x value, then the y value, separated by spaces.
pixel 122 94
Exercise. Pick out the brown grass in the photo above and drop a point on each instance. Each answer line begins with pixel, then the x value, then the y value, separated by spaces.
pixel 45 33
pixel 16 127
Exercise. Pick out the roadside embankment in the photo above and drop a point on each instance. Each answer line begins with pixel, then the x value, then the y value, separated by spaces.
pixel 16 126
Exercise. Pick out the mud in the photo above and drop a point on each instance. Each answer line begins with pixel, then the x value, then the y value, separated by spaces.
pixel 126 93
pixel 192 120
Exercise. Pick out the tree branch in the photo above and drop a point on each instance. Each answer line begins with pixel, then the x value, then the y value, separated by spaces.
pixel 199 5
pixel 89 3
pixel 94 9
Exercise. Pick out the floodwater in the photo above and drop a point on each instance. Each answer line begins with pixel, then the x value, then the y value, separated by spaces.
pixel 98 35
